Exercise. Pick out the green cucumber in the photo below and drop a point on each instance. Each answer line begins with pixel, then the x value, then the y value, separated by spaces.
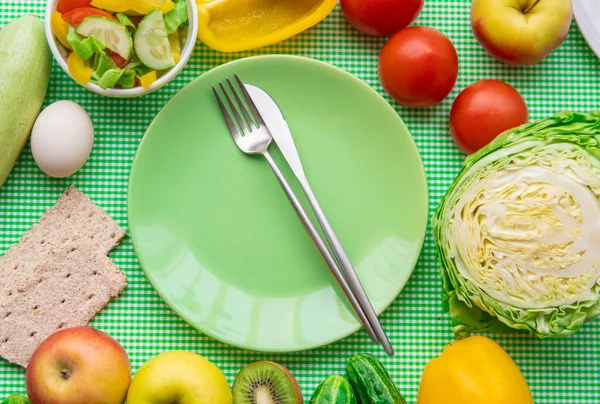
pixel 371 382
pixel 151 42
pixel 334 390
pixel 16 399
pixel 110 33
pixel 25 62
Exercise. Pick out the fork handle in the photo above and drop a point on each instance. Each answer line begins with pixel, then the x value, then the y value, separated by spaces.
pixel 322 247
pixel 347 268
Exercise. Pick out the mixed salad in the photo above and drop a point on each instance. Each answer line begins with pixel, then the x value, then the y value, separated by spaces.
pixel 120 43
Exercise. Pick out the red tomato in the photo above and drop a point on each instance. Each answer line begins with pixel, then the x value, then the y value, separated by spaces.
pixel 418 66
pixel 381 17
pixel 64 6
pixel 119 61
pixel 74 17
pixel 484 110
pixel 136 19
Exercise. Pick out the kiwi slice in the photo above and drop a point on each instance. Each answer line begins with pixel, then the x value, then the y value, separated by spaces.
pixel 266 383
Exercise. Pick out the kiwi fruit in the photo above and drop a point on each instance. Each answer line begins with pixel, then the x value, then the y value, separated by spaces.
pixel 266 383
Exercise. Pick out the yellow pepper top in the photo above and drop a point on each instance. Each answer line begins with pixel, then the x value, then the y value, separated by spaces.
pixel 134 6
pixel 147 80
pixel 60 28
pixel 79 71
pixel 237 25
pixel 475 370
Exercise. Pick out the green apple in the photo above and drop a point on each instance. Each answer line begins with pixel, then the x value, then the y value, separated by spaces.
pixel 179 378
pixel 78 365
pixel 521 32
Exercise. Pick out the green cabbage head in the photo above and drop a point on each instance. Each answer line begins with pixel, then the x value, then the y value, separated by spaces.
pixel 518 233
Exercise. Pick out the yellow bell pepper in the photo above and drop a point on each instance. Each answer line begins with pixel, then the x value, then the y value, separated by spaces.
pixel 475 370
pixel 79 71
pixel 175 46
pixel 134 6
pixel 148 79
pixel 60 28
pixel 237 25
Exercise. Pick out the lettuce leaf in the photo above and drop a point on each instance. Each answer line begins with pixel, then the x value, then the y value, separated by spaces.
pixel 84 47
pixel 125 20
pixel 102 64
pixel 110 78
pixel 127 80
pixel 176 17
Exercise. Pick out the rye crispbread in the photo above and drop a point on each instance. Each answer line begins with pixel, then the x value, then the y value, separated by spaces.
pixel 74 219
pixel 66 291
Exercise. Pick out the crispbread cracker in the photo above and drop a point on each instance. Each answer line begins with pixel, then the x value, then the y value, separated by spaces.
pixel 68 290
pixel 74 219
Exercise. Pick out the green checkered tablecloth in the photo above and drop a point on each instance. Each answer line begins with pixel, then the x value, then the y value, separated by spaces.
pixel 559 371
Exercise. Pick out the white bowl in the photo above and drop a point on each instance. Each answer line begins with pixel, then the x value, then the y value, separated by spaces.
pixel 186 53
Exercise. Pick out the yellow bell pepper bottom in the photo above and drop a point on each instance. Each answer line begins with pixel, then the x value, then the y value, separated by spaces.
pixel 475 370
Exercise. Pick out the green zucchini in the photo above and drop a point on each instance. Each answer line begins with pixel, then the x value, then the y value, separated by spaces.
pixel 25 62
pixel 334 390
pixel 371 382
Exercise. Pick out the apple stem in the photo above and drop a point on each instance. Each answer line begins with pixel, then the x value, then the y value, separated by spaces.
pixel 531 6
pixel 65 374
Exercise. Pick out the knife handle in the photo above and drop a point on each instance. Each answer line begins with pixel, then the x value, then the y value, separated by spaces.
pixel 322 247
pixel 347 268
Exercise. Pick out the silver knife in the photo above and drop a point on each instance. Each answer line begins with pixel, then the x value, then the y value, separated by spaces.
pixel 282 135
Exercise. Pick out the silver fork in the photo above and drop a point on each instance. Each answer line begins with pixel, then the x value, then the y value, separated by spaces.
pixel 256 139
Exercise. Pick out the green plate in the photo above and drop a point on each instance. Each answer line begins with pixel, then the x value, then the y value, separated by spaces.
pixel 220 242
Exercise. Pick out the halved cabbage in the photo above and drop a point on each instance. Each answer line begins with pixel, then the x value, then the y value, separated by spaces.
pixel 518 233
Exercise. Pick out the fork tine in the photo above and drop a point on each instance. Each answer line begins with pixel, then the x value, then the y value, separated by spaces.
pixel 251 104
pixel 227 116
pixel 236 114
pixel 242 106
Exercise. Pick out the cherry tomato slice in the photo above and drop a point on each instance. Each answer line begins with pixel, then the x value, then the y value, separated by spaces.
pixel 74 17
pixel 136 19
pixel 119 61
pixel 64 6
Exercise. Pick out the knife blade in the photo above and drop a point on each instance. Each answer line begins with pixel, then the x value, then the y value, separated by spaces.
pixel 279 129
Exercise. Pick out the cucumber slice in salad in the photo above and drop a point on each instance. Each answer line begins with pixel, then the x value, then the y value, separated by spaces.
pixel 110 33
pixel 151 42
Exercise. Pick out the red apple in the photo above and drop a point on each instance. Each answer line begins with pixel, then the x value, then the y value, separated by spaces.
pixel 381 17
pixel 76 366
pixel 521 32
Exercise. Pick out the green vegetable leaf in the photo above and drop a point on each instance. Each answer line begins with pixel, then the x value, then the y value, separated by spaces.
pixel 102 64
pixel 110 78
pixel 137 67
pixel 134 62
pixel 141 70
pixel 127 80
pixel 125 20
pixel 84 47
pixel 176 17
pixel 515 232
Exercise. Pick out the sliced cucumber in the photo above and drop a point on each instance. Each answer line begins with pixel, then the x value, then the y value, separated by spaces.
pixel 152 42
pixel 110 33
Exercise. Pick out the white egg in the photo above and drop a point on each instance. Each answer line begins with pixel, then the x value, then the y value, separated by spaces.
pixel 62 139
